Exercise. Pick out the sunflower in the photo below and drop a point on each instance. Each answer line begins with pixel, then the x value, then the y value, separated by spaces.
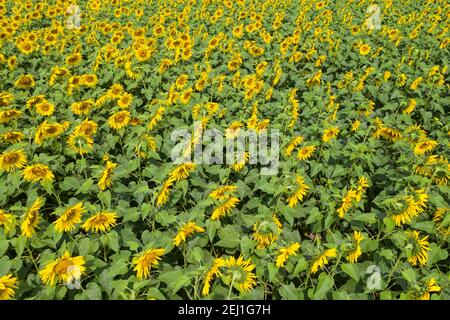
pixel 240 160
pixel 71 216
pixel 80 143
pixel 7 285
pixel 353 255
pixel 222 192
pixel 431 286
pixel 9 115
pixel 57 73
pixel 89 80
pixel 82 107
pixel 285 253
pixel 213 272
pixel 293 144
pixel 350 197
pixel 364 49
pixel 181 81
pixel 182 171
pixel 12 62
pixel 410 205
pixel 45 108
pixel 125 100
pixel 224 208
pixel 422 147
pixel 355 125
pixel 438 217
pixel 437 168
pixel 35 100
pixel 12 136
pixel 329 134
pixel 158 30
pixel 119 120
pixel 11 160
pixel 135 121
pixel 354 29
pixel 411 106
pixel 63 270
pixel 87 127
pixel 26 47
pixel 164 65
pixel 7 221
pixel 143 54
pixel 102 221
pixel 163 195
pixel 49 130
pixel 6 99
pixel 105 179
pixel 240 274
pixel 305 153
pixel 300 192
pixel 25 81
pixel 418 247
pixel 32 219
pixel 144 262
pixel 320 5
pixel 322 260
pixel 37 172
pixel 266 232
pixel 185 96
pixel 185 231
pixel 416 83
pixel 390 134
pixel 73 59
pixel 73 82
pixel 233 130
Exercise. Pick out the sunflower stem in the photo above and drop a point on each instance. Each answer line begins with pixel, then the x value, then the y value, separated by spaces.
pixel 393 269
pixel 32 259
pixel 231 287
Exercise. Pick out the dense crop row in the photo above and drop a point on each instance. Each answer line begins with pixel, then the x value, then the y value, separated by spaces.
pixel 93 207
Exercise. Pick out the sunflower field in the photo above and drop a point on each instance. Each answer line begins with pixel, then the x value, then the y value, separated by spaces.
pixel 93 207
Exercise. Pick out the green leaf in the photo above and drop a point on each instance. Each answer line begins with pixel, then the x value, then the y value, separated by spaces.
pixel 409 275
pixel 5 265
pixel 195 255
pixel 175 280
pixel 436 254
pixel 352 270
pixel 427 226
pixel 389 225
pixel 387 253
pixel 19 244
pixel 211 228
pixel 93 291
pixel 288 292
pixel 105 198
pixel 85 187
pixel 164 218
pixel 314 216
pixel 302 264
pixel 325 284
pixel 229 241
pixel 4 244
pixel 113 240
pixel 370 218
pixel 273 270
